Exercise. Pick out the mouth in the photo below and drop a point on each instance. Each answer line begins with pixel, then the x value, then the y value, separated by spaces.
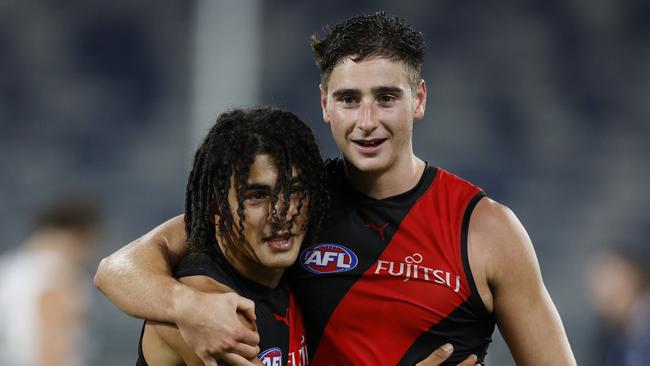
pixel 369 142
pixel 279 242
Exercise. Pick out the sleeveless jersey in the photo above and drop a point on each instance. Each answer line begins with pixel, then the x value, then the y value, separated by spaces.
pixel 279 320
pixel 388 281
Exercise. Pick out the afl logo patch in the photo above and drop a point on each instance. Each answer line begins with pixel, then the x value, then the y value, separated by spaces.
pixel 271 357
pixel 328 258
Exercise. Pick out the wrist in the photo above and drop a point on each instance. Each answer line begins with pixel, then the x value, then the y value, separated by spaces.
pixel 181 301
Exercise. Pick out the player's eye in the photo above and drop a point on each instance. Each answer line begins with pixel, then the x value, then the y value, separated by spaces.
pixel 387 98
pixel 348 99
pixel 257 195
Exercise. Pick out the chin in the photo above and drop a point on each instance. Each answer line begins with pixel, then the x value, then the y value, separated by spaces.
pixel 280 261
pixel 369 165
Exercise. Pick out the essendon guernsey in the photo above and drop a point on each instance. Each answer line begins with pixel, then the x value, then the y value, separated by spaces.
pixel 388 281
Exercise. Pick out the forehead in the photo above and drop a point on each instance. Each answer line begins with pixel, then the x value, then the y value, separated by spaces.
pixel 265 170
pixel 369 73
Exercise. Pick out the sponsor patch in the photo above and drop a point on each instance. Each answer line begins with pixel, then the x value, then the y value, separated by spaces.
pixel 328 258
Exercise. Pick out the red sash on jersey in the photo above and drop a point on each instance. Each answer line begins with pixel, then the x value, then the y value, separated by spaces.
pixel 297 347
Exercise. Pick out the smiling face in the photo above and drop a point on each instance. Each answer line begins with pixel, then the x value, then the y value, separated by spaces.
pixel 370 106
pixel 270 243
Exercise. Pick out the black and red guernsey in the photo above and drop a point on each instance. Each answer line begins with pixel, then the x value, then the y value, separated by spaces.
pixel 388 281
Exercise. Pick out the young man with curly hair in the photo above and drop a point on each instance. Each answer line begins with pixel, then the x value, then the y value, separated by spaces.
pixel 254 194
pixel 411 257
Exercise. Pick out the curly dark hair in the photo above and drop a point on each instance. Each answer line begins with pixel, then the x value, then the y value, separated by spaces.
pixel 368 36
pixel 228 150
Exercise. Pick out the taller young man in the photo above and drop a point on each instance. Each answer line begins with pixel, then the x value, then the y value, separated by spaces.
pixel 411 257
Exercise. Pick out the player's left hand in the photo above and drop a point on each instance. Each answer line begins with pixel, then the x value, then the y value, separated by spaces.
pixel 437 357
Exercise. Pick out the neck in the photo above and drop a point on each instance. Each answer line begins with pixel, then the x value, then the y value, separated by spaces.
pixel 245 266
pixel 386 183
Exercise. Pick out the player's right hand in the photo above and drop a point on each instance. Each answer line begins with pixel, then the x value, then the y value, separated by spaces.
pixel 441 354
pixel 209 324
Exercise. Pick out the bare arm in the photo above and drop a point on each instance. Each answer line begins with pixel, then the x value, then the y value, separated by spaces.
pixel 163 345
pixel 138 280
pixel 525 314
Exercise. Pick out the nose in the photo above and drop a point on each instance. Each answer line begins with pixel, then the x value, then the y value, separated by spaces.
pixel 279 207
pixel 367 121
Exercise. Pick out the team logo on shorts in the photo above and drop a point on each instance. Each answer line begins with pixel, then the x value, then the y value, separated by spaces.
pixel 328 258
pixel 271 357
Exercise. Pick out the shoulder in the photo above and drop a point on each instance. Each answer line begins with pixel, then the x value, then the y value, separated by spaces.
pixel 500 242
pixel 453 181
pixel 491 220
pixel 208 266
pixel 205 284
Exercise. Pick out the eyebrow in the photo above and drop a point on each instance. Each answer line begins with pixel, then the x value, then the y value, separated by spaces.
pixel 376 91
pixel 257 186
pixel 349 91
pixel 261 186
pixel 387 90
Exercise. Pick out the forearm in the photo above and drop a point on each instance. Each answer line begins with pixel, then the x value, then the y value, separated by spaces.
pixel 138 279
pixel 537 336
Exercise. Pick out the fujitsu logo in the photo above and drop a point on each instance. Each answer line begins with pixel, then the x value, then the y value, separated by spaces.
pixel 410 268
pixel 300 357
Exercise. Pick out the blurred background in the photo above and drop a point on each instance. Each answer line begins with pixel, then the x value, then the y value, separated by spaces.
pixel 544 104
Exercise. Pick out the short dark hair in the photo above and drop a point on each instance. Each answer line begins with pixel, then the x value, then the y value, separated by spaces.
pixel 75 213
pixel 363 37
pixel 230 149
pixel 635 255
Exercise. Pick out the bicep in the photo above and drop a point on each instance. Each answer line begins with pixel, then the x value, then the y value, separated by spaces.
pixel 156 252
pixel 168 238
pixel 525 313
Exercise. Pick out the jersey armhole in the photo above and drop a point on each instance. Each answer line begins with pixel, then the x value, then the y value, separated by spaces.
pixel 475 298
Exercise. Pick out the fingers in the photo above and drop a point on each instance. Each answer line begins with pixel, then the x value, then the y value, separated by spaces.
pixel 438 356
pixel 246 350
pixel 469 361
pixel 248 337
pixel 236 360
pixel 209 362
pixel 247 307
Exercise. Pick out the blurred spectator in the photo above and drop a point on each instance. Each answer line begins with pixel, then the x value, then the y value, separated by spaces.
pixel 619 283
pixel 44 292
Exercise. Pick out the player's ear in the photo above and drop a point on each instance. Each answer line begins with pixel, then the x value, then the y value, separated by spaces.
pixel 420 100
pixel 323 103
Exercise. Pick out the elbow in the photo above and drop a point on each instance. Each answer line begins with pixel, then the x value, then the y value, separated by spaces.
pixel 99 280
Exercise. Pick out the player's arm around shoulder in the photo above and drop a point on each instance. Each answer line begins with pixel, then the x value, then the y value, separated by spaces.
pixel 510 283
pixel 137 278
pixel 163 344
